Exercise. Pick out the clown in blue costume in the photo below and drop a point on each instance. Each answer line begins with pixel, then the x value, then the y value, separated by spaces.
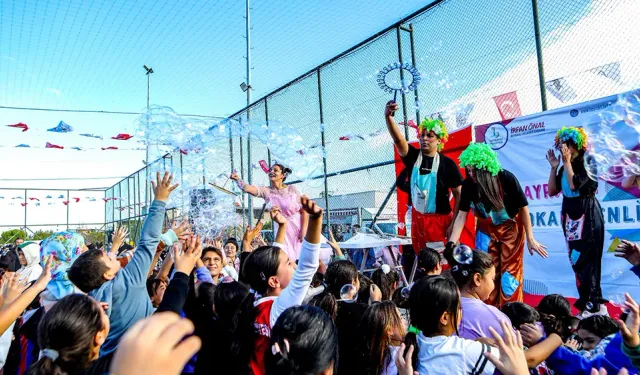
pixel 582 219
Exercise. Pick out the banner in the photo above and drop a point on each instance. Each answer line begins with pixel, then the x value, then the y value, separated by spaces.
pixel 508 105
pixel 521 145
pixel 458 141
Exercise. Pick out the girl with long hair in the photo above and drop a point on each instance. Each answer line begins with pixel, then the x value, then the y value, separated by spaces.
pixel 495 193
pixel 381 333
pixel 287 198
pixel 582 219
pixel 276 285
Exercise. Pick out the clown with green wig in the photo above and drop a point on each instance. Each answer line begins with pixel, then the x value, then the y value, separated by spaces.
pixel 430 178
pixel 496 198
pixel 582 218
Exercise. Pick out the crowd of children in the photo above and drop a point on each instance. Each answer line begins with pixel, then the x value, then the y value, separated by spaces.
pixel 177 304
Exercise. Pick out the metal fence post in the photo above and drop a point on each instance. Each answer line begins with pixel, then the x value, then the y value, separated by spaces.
pixel 244 217
pixel 266 117
pixel 67 209
pixel 536 26
pixel 249 169
pixel 25 212
pixel 413 62
pixel 404 98
pixel 324 157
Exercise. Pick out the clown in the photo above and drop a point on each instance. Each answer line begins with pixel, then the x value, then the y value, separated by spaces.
pixel 495 195
pixel 582 219
pixel 432 178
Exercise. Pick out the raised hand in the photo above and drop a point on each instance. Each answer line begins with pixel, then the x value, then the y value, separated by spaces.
pixel 45 276
pixel 311 207
pixel 162 187
pixel 119 235
pixel 390 109
pixel 572 343
pixel 182 230
pixel 512 360
pixel 553 160
pixel 234 176
pixel 249 235
pixel 13 287
pixel 156 345
pixel 192 250
pixel 629 251
pixel 277 216
pixel 629 328
pixel 566 154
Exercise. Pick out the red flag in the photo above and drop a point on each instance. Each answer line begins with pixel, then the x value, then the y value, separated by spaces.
pixel 106 199
pixel 51 145
pixel 264 166
pixel 183 152
pixel 508 105
pixel 34 199
pixel 77 199
pixel 410 123
pixel 23 204
pixel 122 137
pixel 65 202
pixel 109 148
pixel 20 125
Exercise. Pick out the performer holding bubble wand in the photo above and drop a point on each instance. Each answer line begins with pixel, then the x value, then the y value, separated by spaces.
pixel 287 197
pixel 582 219
pixel 495 193
pixel 432 177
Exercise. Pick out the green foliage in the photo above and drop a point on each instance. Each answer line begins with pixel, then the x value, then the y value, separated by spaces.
pixel 10 235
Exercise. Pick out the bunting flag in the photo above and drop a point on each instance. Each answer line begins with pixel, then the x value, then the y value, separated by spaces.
pixel 34 199
pixel 109 148
pixel 22 145
pixel 62 127
pixel 410 123
pixel 91 136
pixel 122 137
pixel 65 202
pixel 20 125
pixel 264 166
pixel 24 204
pixel 77 200
pixel 51 145
pixel 508 105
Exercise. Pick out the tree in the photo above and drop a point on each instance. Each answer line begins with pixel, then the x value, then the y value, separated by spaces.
pixel 9 236
pixel 41 235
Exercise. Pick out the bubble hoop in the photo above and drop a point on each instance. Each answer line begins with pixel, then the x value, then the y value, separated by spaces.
pixel 412 70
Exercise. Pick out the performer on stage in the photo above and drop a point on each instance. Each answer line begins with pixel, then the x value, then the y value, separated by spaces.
pixel 582 219
pixel 432 178
pixel 495 194
pixel 287 198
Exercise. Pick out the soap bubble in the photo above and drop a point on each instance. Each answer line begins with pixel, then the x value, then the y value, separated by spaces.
pixel 616 299
pixel 463 254
pixel 589 306
pixel 348 293
pixel 616 274
pixel 405 292
pixel 614 141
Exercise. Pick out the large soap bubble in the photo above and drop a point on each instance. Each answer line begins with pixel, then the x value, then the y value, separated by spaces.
pixel 614 142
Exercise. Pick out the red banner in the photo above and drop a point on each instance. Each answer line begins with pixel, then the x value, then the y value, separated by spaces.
pixel 458 141
pixel 508 105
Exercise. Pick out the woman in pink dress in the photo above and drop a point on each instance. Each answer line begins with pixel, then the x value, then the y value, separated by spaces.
pixel 288 199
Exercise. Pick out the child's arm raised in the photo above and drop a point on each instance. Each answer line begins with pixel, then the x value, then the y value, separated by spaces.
pixel 294 293
pixel 136 271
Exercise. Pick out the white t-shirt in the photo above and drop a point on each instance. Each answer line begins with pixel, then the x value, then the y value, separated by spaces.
pixel 453 355
pixel 391 369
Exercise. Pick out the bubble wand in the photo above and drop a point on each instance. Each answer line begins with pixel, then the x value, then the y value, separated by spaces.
pixel 223 187
pixel 389 85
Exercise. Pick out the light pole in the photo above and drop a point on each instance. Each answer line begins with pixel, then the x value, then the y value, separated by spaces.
pixel 146 160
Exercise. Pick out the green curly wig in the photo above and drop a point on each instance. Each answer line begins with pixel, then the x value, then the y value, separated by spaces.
pixel 480 156
pixel 437 127
pixel 573 134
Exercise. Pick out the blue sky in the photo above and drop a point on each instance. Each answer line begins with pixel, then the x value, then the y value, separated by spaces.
pixel 89 55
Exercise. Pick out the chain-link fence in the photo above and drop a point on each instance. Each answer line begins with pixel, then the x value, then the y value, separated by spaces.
pixel 469 52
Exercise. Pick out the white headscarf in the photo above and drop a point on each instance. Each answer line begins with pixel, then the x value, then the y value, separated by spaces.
pixel 32 269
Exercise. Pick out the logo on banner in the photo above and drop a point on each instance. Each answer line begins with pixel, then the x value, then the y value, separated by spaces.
pixel 574 112
pixel 496 136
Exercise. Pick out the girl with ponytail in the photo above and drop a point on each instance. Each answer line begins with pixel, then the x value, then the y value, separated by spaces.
pixel 476 281
pixel 276 284
pixel 435 311
pixel 304 341
pixel 70 336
